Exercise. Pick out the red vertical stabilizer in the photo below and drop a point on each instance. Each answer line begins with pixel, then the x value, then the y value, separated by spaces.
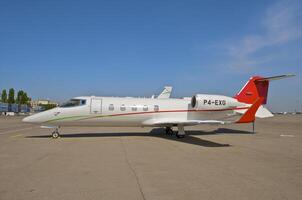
pixel 256 87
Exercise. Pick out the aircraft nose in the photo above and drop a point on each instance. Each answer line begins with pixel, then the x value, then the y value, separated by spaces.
pixel 28 119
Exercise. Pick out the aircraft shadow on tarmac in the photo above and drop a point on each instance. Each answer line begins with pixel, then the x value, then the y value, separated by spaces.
pixel 158 132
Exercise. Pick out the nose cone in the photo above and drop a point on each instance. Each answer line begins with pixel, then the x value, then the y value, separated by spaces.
pixel 41 117
pixel 35 119
pixel 29 119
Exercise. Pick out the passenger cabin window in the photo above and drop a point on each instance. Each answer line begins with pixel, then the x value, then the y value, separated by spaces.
pixel 134 108
pixel 156 108
pixel 123 107
pixel 145 108
pixel 111 107
pixel 73 102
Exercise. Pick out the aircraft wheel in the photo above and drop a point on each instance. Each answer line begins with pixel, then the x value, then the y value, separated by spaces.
pixel 55 134
pixel 181 131
pixel 179 136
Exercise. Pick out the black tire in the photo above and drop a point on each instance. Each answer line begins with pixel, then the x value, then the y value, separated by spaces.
pixel 180 136
pixel 55 135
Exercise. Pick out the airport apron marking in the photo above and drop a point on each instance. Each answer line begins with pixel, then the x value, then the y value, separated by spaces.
pixel 14 136
pixel 81 117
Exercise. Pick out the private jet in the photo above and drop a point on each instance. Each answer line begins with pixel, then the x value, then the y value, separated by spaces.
pixel 161 111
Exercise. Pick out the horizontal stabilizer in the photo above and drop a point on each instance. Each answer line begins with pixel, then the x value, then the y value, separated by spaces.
pixel 257 87
pixel 272 78
pixel 262 112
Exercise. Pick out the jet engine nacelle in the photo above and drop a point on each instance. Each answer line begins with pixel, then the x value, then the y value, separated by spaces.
pixel 206 101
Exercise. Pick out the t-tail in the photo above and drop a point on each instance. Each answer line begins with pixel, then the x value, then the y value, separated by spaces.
pixel 256 91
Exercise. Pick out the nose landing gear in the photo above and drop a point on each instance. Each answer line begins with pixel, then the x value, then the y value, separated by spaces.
pixel 55 134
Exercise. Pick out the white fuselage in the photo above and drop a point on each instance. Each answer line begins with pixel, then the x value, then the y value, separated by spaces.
pixel 128 111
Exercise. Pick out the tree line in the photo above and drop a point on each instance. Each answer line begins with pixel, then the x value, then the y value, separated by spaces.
pixel 21 97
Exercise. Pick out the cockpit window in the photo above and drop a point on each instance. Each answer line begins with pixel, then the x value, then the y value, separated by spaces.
pixel 74 102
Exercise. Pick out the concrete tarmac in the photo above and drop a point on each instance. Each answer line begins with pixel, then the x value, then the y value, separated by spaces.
pixel 212 162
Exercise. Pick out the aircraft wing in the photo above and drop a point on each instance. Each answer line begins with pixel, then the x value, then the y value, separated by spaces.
pixel 166 93
pixel 164 123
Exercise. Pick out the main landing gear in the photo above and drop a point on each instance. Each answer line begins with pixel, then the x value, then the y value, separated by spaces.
pixel 55 134
pixel 179 134
pixel 169 131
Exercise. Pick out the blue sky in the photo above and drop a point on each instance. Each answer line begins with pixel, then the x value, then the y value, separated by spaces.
pixel 60 49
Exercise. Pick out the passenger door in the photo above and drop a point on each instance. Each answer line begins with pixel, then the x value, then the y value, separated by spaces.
pixel 96 106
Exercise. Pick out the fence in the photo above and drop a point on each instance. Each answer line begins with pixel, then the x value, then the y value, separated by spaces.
pixel 5 107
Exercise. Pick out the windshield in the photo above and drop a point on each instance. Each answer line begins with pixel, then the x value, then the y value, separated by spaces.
pixel 74 102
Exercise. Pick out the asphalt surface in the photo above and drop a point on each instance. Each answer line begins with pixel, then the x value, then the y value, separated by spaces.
pixel 212 162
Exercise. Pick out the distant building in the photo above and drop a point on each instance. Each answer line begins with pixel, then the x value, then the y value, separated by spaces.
pixel 36 104
pixel 42 102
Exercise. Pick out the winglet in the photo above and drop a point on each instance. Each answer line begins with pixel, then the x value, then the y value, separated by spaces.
pixel 165 93
pixel 249 115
